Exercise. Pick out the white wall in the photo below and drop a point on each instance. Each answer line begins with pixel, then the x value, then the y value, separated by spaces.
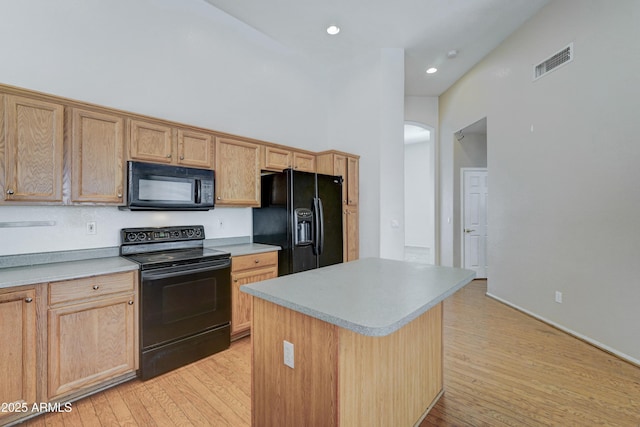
pixel 184 61
pixel 418 194
pixel 563 162
pixel 469 152
pixel 422 110
pixel 69 229
pixel 366 117
pixel 189 62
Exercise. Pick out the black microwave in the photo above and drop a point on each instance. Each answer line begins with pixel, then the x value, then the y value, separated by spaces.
pixel 164 187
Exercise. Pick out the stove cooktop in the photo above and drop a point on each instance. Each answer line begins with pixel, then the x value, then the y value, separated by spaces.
pixel 156 247
pixel 178 256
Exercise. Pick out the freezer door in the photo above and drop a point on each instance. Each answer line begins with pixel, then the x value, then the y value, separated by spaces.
pixel 330 194
pixel 302 188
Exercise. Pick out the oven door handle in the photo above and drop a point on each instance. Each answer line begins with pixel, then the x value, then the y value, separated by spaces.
pixel 168 272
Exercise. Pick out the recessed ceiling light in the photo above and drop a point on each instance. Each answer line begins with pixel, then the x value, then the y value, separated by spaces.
pixel 333 30
pixel 431 70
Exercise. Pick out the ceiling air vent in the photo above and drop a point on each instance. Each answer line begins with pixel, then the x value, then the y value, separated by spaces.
pixel 555 61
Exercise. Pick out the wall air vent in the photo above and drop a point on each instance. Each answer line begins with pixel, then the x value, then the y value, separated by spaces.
pixel 563 57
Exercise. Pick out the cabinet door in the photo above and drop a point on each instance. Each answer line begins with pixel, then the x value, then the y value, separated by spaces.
pixel 90 343
pixel 34 139
pixel 241 302
pixel 351 237
pixel 18 347
pixel 304 162
pixel 195 149
pixel 276 159
pixel 340 169
pixel 151 142
pixel 97 146
pixel 237 173
pixel 352 181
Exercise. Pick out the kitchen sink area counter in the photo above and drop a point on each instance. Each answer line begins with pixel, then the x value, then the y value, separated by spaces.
pixel 364 338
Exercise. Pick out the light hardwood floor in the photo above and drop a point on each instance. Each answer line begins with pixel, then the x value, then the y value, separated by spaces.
pixel 502 368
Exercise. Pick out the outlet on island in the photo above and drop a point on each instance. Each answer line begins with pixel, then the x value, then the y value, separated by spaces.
pixel 288 354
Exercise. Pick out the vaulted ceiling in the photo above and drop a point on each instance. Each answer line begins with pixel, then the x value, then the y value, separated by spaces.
pixel 428 30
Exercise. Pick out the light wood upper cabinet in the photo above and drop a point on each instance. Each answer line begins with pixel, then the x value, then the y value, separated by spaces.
pixel 151 142
pixel 345 165
pixel 278 158
pixel 34 132
pixel 353 188
pixel 159 143
pixel 304 162
pixel 237 167
pixel 18 348
pixel 93 331
pixel 195 149
pixel 97 157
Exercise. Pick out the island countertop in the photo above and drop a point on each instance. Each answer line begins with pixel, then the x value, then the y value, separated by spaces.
pixel 370 296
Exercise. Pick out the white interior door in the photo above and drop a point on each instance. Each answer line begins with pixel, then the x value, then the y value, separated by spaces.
pixel 474 221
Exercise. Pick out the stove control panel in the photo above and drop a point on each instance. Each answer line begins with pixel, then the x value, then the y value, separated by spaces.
pixel 130 236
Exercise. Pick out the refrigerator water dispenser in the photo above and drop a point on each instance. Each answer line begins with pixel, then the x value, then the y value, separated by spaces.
pixel 303 224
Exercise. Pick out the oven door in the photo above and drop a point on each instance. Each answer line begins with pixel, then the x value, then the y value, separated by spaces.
pixel 184 300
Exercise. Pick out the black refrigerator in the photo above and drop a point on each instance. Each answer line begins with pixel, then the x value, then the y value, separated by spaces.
pixel 302 213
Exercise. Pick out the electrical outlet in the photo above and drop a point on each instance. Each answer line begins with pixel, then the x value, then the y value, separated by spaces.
pixel 91 227
pixel 288 354
pixel 559 297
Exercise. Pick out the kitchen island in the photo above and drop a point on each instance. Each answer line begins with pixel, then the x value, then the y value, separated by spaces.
pixel 363 341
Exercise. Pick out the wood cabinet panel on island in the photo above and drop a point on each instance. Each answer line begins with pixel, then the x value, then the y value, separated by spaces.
pixel 97 157
pixel 237 167
pixel 34 138
pixel 18 350
pixel 247 269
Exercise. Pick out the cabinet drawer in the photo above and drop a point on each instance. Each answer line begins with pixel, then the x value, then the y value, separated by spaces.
pixel 90 287
pixel 246 262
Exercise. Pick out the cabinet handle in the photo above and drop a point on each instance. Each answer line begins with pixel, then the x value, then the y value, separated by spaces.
pixel 218 198
pixel 235 280
pixel 130 302
pixel 119 195
pixel 28 300
pixel 96 287
pixel 257 261
pixel 168 156
pixel 10 192
pixel 181 157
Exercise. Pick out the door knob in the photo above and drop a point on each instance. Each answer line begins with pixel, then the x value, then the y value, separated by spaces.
pixel 467 230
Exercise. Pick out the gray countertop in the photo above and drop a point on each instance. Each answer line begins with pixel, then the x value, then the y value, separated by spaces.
pixel 245 248
pixel 51 272
pixel 371 296
pixel 17 270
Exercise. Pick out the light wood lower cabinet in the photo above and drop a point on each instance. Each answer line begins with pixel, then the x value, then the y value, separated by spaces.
pixel 93 331
pixel 17 348
pixel 247 269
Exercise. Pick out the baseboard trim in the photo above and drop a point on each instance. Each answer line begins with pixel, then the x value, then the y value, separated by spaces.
pixel 597 344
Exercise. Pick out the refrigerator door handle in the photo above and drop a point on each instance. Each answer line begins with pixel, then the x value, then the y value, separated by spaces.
pixel 320 215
